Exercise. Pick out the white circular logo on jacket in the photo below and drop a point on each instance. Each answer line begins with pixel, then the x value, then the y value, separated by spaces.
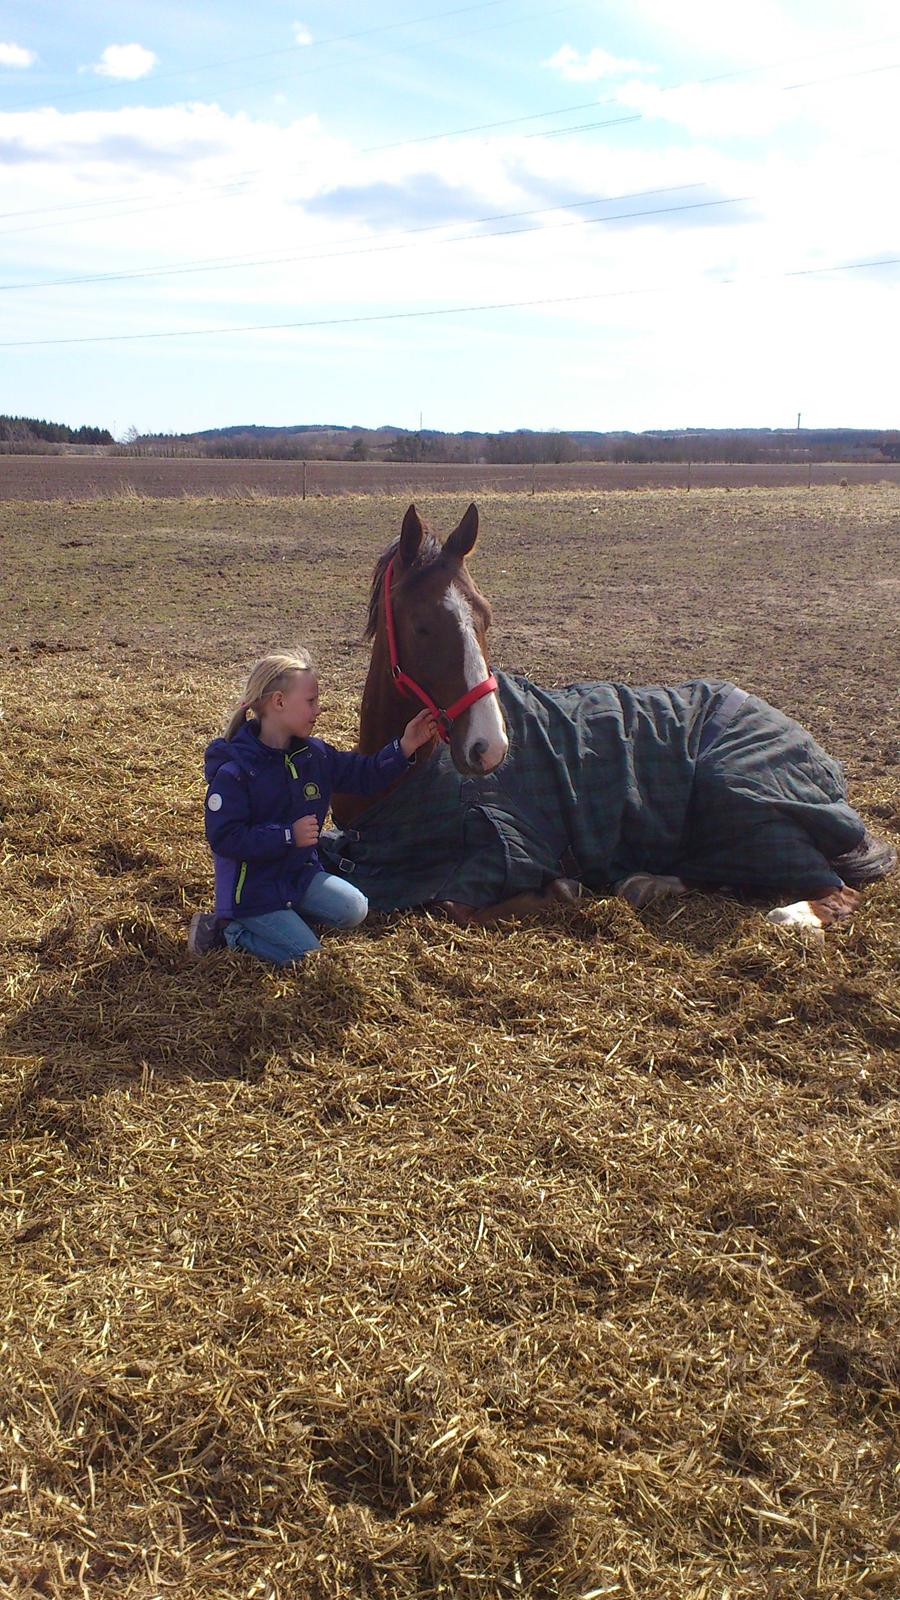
pixel 215 802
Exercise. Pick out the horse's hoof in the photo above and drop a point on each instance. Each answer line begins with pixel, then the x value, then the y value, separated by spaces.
pixel 803 917
pixel 836 906
pixel 456 911
pixel 566 890
pixel 872 859
pixel 800 915
pixel 643 888
pixel 813 916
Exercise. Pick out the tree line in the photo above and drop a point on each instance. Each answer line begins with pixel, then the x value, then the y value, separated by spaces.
pixel 523 446
pixel 30 431
pixel 519 447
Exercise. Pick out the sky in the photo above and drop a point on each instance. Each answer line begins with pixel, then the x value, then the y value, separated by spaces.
pixel 487 215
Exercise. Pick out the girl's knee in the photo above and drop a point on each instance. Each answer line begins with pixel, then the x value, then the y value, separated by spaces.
pixel 335 902
pixel 354 908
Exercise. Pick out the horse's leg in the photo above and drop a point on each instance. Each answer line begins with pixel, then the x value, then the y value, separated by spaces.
pixel 872 859
pixel 814 915
pixel 643 888
pixel 560 891
pixel 564 890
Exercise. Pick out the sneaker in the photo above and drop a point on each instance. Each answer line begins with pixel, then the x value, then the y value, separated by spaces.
pixel 205 933
pixel 871 859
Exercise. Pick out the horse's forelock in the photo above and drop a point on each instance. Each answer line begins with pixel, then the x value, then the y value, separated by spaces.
pixel 429 551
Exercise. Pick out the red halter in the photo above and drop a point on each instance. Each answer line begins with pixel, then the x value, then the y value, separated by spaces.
pixel 409 687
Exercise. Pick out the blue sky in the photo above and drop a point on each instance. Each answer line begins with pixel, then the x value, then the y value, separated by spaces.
pixel 492 215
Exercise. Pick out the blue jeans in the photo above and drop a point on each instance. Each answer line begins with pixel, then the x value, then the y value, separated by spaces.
pixel 283 936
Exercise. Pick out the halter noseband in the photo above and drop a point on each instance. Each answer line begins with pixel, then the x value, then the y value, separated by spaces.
pixel 409 687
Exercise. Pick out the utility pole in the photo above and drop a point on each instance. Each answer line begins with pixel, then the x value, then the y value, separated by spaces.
pixel 798 419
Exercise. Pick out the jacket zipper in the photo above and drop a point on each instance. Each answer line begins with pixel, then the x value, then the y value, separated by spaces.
pixel 239 887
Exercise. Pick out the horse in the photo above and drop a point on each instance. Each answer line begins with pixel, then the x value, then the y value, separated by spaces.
pixel 643 793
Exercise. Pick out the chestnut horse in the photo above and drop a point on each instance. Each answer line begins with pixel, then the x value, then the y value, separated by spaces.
pixel 428 624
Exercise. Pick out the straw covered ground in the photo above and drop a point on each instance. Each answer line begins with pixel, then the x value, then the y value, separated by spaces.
pixel 560 1262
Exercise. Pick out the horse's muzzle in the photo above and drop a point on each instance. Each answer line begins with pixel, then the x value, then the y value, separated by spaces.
pixel 480 756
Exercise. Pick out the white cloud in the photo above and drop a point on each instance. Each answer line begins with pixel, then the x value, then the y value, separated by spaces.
pixel 597 63
pixel 707 32
pixel 713 110
pixel 302 34
pixel 128 61
pixel 213 180
pixel 669 343
pixel 15 55
pixel 708 28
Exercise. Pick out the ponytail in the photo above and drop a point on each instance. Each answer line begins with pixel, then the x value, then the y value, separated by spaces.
pixel 268 676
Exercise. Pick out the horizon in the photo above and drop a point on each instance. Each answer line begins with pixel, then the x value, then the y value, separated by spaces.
pixel 393 427
pixel 474 213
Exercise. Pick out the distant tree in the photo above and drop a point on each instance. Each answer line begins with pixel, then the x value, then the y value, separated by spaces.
pixel 34 430
pixel 523 446
pixel 558 447
pixel 409 447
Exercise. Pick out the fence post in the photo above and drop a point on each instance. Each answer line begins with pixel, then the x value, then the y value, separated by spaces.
pixel 809 475
pixel 690 465
pixel 533 475
pixel 304 480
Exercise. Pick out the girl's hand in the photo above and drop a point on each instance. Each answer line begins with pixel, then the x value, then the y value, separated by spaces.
pixel 418 732
pixel 305 831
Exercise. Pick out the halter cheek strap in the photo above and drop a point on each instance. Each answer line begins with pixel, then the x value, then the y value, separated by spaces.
pixel 408 685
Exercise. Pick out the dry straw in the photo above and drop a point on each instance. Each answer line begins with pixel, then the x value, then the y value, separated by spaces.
pixel 558 1264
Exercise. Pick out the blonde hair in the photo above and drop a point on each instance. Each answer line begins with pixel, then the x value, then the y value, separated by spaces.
pixel 268 676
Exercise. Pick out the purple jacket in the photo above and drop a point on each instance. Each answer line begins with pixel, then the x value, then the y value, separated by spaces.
pixel 254 795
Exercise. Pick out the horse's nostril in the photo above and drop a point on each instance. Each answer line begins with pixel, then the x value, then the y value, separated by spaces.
pixel 477 750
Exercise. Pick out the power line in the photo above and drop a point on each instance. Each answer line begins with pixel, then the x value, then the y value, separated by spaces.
pixel 588 127
pixel 189 197
pixel 231 263
pixel 839 77
pixel 441 311
pixel 242 179
pixel 786 88
pixel 666 88
pixel 87 205
pixel 282 50
pixel 261 83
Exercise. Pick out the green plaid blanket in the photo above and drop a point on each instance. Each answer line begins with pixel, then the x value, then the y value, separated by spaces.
pixel 603 780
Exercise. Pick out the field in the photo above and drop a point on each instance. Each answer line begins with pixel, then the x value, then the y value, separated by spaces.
pixel 559 1263
pixel 85 476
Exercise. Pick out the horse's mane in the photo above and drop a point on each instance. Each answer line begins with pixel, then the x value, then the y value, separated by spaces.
pixel 428 552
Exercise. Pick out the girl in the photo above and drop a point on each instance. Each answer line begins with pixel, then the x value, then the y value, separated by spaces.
pixel 270 785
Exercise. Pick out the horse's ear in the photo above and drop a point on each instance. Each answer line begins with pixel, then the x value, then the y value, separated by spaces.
pixel 462 539
pixel 411 536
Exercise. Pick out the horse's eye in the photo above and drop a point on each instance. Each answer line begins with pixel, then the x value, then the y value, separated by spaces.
pixel 422 631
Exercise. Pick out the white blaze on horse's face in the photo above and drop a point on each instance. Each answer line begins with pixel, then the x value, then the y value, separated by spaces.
pixel 485 741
